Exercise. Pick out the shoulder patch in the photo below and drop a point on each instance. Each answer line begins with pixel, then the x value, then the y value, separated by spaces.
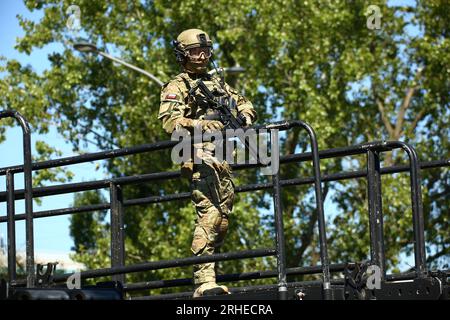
pixel 172 96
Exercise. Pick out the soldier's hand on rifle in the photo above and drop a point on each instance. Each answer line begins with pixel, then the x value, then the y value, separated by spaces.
pixel 246 118
pixel 210 125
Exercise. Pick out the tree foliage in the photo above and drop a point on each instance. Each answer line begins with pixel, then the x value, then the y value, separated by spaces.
pixel 311 60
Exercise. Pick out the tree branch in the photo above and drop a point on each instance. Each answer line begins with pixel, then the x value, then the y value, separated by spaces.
pixel 385 120
pixel 291 141
pixel 402 111
pixel 405 105
pixel 442 194
pixel 435 256
pixel 418 117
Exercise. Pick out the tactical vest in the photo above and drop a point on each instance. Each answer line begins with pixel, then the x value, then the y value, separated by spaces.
pixel 198 105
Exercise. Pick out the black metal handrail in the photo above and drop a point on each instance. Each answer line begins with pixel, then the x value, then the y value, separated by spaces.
pixel 117 203
pixel 163 264
pixel 101 184
pixel 28 194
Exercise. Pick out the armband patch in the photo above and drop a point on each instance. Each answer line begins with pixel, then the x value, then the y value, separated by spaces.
pixel 171 96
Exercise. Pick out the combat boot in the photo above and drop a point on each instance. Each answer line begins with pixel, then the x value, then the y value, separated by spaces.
pixel 210 289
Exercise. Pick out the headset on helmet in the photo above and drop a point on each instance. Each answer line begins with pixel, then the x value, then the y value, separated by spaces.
pixel 179 54
pixel 189 39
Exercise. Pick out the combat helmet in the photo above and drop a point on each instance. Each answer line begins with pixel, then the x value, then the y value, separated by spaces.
pixel 189 46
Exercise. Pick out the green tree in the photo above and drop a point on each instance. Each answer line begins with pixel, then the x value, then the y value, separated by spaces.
pixel 310 60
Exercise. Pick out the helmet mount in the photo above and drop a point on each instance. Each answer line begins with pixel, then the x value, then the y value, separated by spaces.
pixel 187 40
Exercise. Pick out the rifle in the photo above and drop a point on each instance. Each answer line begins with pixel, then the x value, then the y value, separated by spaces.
pixel 223 107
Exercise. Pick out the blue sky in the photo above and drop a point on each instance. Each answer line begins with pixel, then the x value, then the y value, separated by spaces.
pixel 51 234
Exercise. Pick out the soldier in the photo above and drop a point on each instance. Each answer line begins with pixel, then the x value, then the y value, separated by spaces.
pixel 211 181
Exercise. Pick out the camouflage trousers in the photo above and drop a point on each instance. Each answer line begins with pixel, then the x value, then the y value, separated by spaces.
pixel 212 195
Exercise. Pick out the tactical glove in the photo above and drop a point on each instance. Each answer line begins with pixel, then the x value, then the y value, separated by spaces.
pixel 205 125
pixel 209 125
pixel 246 118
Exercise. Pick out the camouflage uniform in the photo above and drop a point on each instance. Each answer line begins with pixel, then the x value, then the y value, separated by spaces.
pixel 211 182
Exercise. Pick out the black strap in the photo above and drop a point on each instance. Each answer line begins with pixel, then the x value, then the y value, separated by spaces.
pixel 187 84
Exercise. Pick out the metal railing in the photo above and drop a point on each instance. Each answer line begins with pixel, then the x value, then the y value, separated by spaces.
pixel 117 204
pixel 28 195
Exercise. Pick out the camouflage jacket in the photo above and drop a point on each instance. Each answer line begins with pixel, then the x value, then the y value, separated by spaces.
pixel 177 104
